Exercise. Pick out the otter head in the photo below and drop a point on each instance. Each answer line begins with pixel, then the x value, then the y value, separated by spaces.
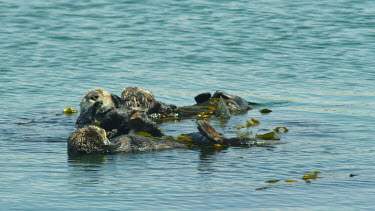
pixel 90 139
pixel 95 104
pixel 137 97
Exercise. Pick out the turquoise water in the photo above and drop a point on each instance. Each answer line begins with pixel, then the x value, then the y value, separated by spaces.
pixel 311 62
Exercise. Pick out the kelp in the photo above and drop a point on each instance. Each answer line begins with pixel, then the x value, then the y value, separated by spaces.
pixel 184 139
pixel 268 136
pixel 265 111
pixel 284 129
pixel 314 175
pixel 23 123
pixel 255 121
pixel 249 124
pixel 97 123
pixel 204 116
pixel 272 181
pixel 201 112
pixel 239 127
pixel 262 188
pixel 244 134
pixel 69 110
pixel 145 134
pixel 307 178
pixel 169 138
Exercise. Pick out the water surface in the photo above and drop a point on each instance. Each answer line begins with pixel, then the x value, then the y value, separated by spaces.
pixel 312 63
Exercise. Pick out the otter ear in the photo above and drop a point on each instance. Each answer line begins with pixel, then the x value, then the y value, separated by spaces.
pixel 117 101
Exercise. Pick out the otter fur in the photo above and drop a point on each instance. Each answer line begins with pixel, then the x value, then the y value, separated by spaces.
pixel 93 140
pixel 95 105
pixel 121 118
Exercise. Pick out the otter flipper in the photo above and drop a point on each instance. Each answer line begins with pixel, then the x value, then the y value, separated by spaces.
pixel 222 110
pixel 210 133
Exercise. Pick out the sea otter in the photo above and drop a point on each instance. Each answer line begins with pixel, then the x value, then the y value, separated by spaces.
pixel 119 119
pixel 95 105
pixel 92 139
pixel 119 115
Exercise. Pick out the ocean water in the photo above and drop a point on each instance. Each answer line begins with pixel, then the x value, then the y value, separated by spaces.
pixel 311 62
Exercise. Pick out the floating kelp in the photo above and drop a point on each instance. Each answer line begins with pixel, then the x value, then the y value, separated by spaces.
pixel 283 129
pixel 145 134
pixel 195 110
pixel 307 178
pixel 249 124
pixel 204 116
pixel 97 123
pixel 244 134
pixel 170 118
pixel 262 188
pixel 314 175
pixel 239 127
pixel 268 136
pixel 219 146
pixel 265 111
pixel 23 123
pixel 272 181
pixel 310 176
pixel 69 110
pixel 255 121
pixel 184 139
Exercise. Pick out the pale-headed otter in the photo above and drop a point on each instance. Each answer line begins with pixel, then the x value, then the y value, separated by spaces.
pixel 115 115
pixel 95 105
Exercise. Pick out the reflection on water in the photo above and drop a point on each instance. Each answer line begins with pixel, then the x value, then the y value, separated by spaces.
pixel 75 159
pixel 207 158
pixel 86 168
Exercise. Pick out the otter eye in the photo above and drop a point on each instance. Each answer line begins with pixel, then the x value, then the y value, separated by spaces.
pixel 94 97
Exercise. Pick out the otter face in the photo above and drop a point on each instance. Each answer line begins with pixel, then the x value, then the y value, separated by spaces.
pixel 97 96
pixel 137 97
pixel 95 104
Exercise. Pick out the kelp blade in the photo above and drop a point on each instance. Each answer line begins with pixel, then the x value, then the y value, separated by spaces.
pixel 268 136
